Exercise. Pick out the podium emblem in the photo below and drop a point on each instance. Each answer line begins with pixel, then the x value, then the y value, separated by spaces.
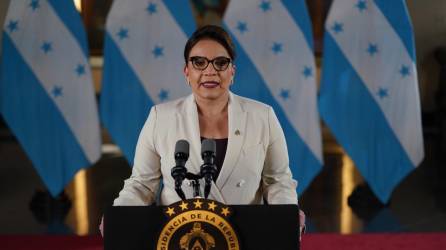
pixel 198 224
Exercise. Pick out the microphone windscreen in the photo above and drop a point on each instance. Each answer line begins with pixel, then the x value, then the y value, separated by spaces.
pixel 182 146
pixel 208 145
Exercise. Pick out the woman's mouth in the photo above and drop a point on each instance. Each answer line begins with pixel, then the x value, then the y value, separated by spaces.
pixel 210 84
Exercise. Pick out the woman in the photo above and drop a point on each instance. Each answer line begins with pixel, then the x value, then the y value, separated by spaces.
pixel 252 157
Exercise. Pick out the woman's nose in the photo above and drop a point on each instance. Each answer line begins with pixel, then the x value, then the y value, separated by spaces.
pixel 210 70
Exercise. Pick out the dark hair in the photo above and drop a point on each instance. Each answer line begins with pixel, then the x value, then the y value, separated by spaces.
pixel 211 32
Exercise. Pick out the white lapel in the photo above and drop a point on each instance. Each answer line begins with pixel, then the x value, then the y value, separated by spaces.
pixel 189 119
pixel 236 135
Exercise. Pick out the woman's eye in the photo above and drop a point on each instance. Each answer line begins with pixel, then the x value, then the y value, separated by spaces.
pixel 200 62
pixel 221 62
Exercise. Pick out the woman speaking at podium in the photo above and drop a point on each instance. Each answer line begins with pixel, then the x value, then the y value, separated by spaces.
pixel 251 156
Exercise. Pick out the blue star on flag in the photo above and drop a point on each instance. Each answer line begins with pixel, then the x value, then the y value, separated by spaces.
pixel 307 72
pixel 373 49
pixel 163 95
pixel 57 91
pixel 265 6
pixel 34 4
pixel 123 33
pixel 361 5
pixel 337 27
pixel 13 26
pixel 284 93
pixel 80 69
pixel 382 92
pixel 276 48
pixel 242 27
pixel 158 51
pixel 46 47
pixel 404 71
pixel 151 8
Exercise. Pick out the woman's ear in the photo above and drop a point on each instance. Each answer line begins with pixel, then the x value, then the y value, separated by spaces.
pixel 185 71
pixel 186 74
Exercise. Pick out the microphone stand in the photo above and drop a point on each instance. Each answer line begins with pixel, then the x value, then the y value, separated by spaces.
pixel 195 180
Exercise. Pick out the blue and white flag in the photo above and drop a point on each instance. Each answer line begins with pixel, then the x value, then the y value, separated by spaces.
pixel 276 65
pixel 46 90
pixel 369 90
pixel 143 64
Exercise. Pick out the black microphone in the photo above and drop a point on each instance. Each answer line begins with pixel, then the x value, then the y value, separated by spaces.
pixel 179 171
pixel 208 169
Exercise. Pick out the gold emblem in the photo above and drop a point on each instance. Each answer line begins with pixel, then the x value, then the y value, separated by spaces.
pixel 197 237
pixel 201 226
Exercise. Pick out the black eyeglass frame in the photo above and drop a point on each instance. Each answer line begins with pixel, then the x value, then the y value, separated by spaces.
pixel 192 58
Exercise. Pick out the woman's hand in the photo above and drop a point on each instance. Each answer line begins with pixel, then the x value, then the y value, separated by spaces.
pixel 101 226
pixel 301 224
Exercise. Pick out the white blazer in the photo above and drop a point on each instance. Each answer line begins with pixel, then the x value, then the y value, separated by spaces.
pixel 255 166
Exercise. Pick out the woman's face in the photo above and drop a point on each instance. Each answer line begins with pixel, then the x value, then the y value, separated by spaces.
pixel 209 83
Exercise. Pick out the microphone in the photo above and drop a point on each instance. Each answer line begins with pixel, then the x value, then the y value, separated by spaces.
pixel 208 169
pixel 179 171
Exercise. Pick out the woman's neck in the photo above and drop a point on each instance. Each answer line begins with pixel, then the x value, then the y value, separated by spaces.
pixel 212 108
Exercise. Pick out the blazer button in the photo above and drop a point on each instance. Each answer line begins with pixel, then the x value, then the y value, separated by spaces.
pixel 240 183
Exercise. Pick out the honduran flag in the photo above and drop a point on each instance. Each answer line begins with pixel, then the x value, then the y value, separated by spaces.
pixel 143 64
pixel 46 90
pixel 276 65
pixel 369 91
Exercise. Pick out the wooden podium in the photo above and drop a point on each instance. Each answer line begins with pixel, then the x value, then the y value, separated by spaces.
pixel 202 224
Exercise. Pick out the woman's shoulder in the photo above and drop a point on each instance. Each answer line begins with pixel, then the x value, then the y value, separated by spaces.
pixel 251 105
pixel 171 106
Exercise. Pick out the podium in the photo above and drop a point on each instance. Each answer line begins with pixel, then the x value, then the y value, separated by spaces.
pixel 257 227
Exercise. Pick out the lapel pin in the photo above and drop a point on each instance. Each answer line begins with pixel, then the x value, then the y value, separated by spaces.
pixel 237 132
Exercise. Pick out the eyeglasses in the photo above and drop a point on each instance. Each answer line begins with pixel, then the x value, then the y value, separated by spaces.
pixel 220 63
